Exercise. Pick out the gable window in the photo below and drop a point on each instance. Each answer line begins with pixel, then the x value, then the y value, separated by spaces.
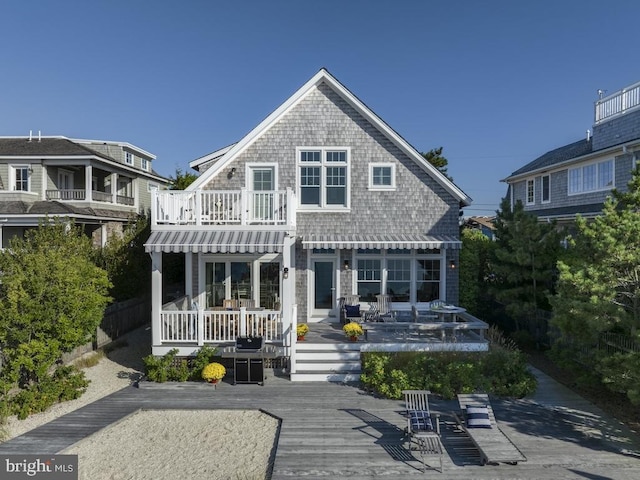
pixel 144 163
pixel 382 176
pixel 128 158
pixel 323 177
pixel 546 188
pixel 531 192
pixel 591 178
pixel 21 178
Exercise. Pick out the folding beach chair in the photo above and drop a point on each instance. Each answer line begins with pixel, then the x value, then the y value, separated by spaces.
pixel 422 429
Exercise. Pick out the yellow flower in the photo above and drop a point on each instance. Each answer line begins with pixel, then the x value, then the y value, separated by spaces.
pixel 213 371
pixel 302 329
pixel 353 329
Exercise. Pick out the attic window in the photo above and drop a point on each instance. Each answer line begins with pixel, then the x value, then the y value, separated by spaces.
pixel 128 158
pixel 382 176
pixel 144 164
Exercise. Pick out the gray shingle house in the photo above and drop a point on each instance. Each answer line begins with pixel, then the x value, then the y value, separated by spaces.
pixel 577 178
pixel 322 199
pixel 98 184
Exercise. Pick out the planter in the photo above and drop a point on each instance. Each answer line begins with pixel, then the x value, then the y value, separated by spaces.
pixel 214 381
pixel 353 338
pixel 301 338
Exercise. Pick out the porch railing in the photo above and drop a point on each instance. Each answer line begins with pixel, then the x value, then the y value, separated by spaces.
pixel 77 194
pixel 219 326
pixel 68 194
pixel 214 207
pixel 617 103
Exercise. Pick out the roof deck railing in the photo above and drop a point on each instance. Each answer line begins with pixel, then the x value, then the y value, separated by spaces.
pixel 617 103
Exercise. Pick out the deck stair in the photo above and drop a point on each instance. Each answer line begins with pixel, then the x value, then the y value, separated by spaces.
pixel 327 356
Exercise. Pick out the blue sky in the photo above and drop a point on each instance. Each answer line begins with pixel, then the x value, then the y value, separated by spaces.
pixel 496 83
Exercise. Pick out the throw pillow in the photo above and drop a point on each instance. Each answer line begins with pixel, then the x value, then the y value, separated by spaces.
pixel 478 417
pixel 352 310
pixel 420 420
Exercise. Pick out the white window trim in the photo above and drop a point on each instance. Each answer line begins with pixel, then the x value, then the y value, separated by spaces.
pixel 12 177
pixel 542 200
pixel 248 177
pixel 152 186
pixel 526 191
pixel 127 156
pixel 145 164
pixel 323 207
pixel 581 167
pixel 391 187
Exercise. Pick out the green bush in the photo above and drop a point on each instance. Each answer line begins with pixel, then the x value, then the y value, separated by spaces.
pixel 500 371
pixel 67 383
pixel 168 368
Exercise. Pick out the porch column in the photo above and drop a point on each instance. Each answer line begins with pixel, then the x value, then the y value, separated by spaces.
pixel 88 173
pixel 156 297
pixel 114 188
pixel 188 277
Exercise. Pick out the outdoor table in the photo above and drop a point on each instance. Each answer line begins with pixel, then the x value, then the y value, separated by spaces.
pixel 448 313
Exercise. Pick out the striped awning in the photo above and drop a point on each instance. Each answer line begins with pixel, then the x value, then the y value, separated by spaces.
pixel 408 241
pixel 215 242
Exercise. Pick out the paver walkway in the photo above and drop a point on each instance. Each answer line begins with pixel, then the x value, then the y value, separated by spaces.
pixel 334 431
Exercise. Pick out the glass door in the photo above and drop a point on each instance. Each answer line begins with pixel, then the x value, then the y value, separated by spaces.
pixel 262 186
pixel 323 286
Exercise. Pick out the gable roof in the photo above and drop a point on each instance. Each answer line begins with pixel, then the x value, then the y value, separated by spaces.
pixel 323 76
pixel 47 146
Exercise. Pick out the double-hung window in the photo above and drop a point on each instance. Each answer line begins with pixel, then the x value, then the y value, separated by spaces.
pixel 128 158
pixel 144 163
pixel 323 177
pixel 546 188
pixel 531 191
pixel 21 178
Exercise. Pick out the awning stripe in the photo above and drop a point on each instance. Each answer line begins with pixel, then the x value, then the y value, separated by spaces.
pixel 215 242
pixel 389 241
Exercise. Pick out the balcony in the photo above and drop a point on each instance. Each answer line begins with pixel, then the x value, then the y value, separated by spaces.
pixel 216 208
pixel 80 195
pixel 617 103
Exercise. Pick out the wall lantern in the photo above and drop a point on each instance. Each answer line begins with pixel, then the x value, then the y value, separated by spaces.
pixel 346 264
pixel 285 272
pixel 452 264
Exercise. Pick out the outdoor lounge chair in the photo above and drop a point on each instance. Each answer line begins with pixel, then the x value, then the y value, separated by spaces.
pixel 480 425
pixel 421 427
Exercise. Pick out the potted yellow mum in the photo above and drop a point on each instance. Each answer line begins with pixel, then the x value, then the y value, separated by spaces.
pixel 213 372
pixel 353 330
pixel 301 330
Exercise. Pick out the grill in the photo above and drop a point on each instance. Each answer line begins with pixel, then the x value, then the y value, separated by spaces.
pixel 249 344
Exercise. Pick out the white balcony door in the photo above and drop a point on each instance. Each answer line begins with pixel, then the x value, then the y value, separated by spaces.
pixel 263 179
pixel 65 184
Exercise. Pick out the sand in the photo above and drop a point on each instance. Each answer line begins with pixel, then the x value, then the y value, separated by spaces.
pixel 160 444
pixel 180 444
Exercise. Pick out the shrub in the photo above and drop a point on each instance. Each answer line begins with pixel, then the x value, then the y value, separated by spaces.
pixel 204 357
pixel 166 368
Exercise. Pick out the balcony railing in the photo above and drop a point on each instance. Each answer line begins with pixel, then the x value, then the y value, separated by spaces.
pixel 209 207
pixel 617 103
pixel 81 195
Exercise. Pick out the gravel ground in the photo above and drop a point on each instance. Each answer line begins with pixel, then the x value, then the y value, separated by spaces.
pixel 120 368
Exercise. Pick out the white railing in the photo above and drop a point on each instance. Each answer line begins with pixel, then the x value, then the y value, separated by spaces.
pixel 219 326
pixel 617 103
pixel 68 194
pixel 210 207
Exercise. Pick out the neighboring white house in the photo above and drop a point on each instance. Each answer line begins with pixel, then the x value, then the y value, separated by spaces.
pixel 98 184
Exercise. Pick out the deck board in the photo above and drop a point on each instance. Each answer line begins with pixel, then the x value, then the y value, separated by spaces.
pixel 333 431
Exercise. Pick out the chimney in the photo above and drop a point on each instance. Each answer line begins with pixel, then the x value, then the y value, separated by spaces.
pixel 39 136
pixel 30 134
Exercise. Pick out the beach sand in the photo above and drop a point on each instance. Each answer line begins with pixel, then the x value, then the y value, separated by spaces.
pixel 180 444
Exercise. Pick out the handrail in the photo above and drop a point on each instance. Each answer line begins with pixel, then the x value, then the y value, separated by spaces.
pixel 617 103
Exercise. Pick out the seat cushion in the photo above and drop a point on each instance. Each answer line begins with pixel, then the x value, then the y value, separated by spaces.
pixel 420 420
pixel 352 310
pixel 478 417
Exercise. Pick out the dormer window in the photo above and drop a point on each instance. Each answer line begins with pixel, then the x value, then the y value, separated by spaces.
pixel 144 164
pixel 128 158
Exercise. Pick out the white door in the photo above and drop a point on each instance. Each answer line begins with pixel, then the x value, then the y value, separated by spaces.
pixel 263 183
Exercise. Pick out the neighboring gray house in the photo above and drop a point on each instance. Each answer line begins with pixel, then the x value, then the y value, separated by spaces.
pixel 321 200
pixel 98 184
pixel 577 178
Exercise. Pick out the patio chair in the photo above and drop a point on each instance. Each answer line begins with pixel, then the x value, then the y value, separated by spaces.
pixel 349 307
pixel 479 422
pixel 420 425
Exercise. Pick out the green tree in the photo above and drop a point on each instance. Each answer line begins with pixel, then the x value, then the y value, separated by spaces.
pixel 474 270
pixel 52 298
pixel 435 158
pixel 126 263
pixel 524 262
pixel 181 180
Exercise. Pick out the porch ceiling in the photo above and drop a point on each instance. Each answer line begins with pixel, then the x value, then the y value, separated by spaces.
pixel 380 241
pixel 215 242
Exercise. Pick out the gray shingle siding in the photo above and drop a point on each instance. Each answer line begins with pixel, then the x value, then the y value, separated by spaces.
pixel 617 130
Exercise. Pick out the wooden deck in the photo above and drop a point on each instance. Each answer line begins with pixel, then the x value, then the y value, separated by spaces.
pixel 337 430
